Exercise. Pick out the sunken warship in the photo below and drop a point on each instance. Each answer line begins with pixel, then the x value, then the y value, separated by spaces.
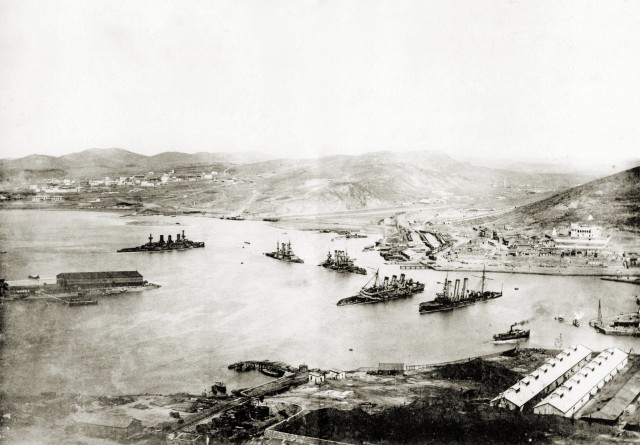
pixel 383 291
pixel 180 243
pixel 283 252
pixel 341 262
pixel 454 297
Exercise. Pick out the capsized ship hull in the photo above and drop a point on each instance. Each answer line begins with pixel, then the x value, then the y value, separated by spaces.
pixel 385 291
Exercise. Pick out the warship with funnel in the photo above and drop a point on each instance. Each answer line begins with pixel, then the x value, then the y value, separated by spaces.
pixel 180 243
pixel 385 290
pixel 453 296
pixel 341 262
pixel 284 253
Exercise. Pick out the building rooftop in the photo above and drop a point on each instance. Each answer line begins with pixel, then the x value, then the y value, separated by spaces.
pixel 581 383
pixel 95 275
pixel 532 384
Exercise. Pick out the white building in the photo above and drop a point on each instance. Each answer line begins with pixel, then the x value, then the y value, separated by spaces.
pixel 553 373
pixel 576 392
pixel 578 231
pixel 334 374
pixel 40 198
pixel 316 378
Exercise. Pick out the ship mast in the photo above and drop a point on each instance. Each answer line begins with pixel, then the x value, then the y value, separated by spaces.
pixel 599 312
pixel 483 278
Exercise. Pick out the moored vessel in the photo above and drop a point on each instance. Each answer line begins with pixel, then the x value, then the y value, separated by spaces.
pixel 341 262
pixel 283 252
pixel 384 291
pixel 453 296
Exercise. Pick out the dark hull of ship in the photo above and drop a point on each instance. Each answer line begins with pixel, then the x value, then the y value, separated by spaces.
pixel 163 247
pixel 435 306
pixel 275 256
pixel 358 270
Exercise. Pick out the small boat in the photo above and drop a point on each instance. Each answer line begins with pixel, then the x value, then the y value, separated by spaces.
pixel 220 387
pixel 637 300
pixel 515 288
pixel 576 323
pixel 560 318
pixel 512 334
pixel 271 372
pixel 34 277
pixel 247 242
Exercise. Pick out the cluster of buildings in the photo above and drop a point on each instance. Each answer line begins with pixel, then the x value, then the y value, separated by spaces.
pixel 319 377
pixel 564 384
pixel 575 240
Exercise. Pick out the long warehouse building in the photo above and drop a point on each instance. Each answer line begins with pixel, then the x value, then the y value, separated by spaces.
pixel 576 392
pixel 553 373
pixel 100 279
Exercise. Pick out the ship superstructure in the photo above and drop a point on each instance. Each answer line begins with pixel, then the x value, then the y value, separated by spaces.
pixel 283 252
pixel 384 290
pixel 341 262
pixel 180 243
pixel 454 296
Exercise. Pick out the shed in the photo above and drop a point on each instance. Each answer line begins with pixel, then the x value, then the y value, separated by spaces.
pixel 100 279
pixel 106 425
pixel 316 378
pixel 335 374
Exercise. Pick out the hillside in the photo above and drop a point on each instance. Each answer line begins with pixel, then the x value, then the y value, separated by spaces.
pixel 613 201
pixel 335 183
pixel 302 186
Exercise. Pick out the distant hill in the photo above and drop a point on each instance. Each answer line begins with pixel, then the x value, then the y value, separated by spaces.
pixel 612 201
pixel 112 162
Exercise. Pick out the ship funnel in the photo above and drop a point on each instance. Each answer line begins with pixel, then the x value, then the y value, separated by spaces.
pixel 402 278
pixel 465 287
pixel 178 237
pixel 394 278
pixel 183 237
pixel 449 288
pixel 161 239
pixel 456 289
pixel 169 239
pixel 386 281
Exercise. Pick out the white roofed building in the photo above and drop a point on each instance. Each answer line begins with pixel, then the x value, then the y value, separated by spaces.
pixel 553 373
pixel 576 392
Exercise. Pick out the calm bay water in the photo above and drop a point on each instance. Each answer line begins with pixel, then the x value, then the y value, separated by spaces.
pixel 228 302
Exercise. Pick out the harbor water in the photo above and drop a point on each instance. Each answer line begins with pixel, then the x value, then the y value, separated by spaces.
pixel 229 302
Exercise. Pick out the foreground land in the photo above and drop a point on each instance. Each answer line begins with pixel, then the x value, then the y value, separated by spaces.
pixel 434 404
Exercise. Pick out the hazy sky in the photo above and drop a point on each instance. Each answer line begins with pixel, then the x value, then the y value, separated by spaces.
pixel 519 79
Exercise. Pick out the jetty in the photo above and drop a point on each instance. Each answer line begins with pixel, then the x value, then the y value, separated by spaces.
pixel 262 365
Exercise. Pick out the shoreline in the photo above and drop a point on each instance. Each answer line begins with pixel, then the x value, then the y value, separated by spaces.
pixel 535 270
